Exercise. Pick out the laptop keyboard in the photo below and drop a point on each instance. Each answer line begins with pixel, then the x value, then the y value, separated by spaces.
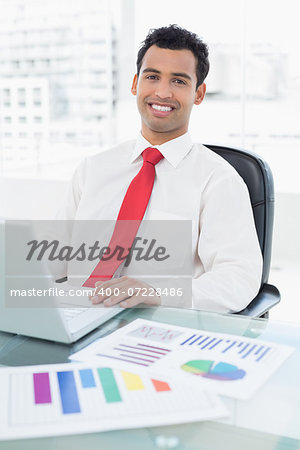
pixel 70 313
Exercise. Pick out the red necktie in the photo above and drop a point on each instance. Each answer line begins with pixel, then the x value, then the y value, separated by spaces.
pixel 130 216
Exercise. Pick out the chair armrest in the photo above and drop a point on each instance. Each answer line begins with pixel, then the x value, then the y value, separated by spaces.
pixel 267 297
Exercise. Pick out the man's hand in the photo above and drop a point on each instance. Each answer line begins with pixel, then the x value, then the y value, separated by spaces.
pixel 125 292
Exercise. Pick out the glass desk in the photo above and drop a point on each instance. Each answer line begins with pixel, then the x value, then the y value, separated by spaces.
pixel 269 420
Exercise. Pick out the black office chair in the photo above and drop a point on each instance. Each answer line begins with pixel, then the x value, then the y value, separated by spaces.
pixel 258 177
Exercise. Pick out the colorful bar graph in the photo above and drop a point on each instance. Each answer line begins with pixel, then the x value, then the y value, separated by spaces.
pixel 87 378
pixel 42 391
pixel 160 386
pixel 109 385
pixel 68 392
pixel 133 382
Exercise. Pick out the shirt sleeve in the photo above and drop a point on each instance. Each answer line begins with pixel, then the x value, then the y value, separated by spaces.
pixel 228 247
pixel 64 219
pixel 68 206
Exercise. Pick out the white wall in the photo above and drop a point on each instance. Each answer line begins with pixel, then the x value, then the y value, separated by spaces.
pixel 31 199
pixel 286 237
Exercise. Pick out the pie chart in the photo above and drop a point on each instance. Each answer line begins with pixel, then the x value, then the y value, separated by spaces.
pixel 220 371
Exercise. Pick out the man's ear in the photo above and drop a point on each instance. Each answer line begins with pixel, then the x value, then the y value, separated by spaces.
pixel 200 93
pixel 134 85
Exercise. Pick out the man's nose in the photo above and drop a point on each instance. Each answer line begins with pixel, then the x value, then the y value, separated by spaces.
pixel 163 89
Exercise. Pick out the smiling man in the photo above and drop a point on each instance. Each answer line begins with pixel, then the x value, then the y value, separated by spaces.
pixel 167 87
pixel 189 181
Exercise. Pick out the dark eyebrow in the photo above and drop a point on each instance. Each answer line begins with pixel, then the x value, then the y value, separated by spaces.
pixel 182 75
pixel 174 74
pixel 149 69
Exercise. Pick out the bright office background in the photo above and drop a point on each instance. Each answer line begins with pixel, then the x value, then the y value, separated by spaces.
pixel 65 76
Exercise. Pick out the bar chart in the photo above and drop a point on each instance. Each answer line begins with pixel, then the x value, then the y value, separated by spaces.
pixel 234 346
pixel 136 353
pixel 77 398
pixel 77 392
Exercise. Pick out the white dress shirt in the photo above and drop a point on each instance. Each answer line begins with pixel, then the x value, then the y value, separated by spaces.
pixel 193 183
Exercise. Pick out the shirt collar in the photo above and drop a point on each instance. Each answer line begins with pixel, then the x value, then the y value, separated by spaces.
pixel 173 151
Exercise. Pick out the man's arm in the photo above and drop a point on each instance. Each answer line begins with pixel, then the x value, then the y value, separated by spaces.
pixel 228 248
pixel 64 220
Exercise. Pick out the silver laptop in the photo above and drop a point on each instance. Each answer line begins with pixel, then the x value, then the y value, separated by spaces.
pixel 64 318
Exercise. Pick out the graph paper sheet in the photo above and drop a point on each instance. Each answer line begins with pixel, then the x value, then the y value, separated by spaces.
pixel 227 364
pixel 59 399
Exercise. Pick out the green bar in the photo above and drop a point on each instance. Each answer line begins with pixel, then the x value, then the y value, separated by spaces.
pixel 109 385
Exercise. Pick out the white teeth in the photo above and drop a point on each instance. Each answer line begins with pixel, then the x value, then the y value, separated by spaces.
pixel 161 108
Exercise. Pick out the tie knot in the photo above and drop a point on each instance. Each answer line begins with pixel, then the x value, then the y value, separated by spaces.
pixel 152 155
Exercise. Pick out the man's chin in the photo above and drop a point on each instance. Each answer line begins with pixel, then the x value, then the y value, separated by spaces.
pixel 161 126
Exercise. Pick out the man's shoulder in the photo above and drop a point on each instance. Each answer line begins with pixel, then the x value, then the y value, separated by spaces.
pixel 211 159
pixel 211 167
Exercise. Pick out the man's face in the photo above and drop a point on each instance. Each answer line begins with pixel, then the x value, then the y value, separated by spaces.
pixel 166 92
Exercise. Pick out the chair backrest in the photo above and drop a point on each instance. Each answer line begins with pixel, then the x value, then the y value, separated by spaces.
pixel 259 179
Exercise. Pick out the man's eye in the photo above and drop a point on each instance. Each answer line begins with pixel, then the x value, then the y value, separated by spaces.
pixel 151 77
pixel 178 81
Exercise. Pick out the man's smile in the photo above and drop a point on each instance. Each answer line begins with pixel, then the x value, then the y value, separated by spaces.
pixel 160 109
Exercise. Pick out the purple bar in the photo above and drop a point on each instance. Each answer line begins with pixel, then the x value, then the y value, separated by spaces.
pixel 215 344
pixel 263 354
pixel 208 343
pixel 199 337
pixel 203 340
pixel 249 351
pixel 191 337
pixel 244 348
pixel 156 348
pixel 139 348
pixel 123 359
pixel 42 392
pixel 136 353
pixel 229 346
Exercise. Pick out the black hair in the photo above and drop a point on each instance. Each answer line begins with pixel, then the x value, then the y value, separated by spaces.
pixel 174 37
